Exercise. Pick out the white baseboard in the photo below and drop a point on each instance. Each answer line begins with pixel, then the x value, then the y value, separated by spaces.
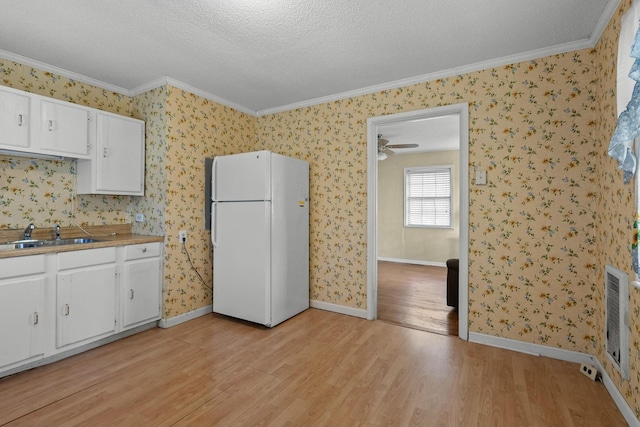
pixel 566 355
pixel 413 261
pixel 173 321
pixel 615 394
pixel 533 349
pixel 349 311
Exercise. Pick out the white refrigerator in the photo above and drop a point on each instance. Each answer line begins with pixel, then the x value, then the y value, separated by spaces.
pixel 260 236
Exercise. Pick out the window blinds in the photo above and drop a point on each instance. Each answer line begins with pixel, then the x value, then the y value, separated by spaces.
pixel 428 197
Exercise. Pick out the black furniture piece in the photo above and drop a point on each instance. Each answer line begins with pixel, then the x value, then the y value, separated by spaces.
pixel 452 282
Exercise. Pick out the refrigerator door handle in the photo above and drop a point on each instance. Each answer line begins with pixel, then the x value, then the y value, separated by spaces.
pixel 214 167
pixel 214 218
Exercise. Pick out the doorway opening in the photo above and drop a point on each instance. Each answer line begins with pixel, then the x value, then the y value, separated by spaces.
pixel 415 296
pixel 377 126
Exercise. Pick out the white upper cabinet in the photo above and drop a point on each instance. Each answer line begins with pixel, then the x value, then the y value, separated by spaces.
pixel 64 128
pixel 34 124
pixel 117 161
pixel 109 147
pixel 14 119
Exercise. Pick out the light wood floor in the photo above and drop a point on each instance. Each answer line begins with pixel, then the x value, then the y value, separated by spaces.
pixel 415 296
pixel 316 369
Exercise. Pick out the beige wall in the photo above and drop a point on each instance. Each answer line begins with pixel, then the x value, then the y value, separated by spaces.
pixel 429 245
pixel 553 214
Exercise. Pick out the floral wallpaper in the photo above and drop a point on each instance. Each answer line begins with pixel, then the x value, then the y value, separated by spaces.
pixel 532 262
pixel 151 106
pixel 43 191
pixel 553 214
pixel 197 128
pixel 615 213
pixel 332 138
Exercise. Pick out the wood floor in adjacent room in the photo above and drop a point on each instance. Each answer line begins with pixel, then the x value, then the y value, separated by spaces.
pixel 415 296
pixel 316 369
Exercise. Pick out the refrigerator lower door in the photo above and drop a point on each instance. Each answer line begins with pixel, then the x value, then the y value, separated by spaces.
pixel 242 261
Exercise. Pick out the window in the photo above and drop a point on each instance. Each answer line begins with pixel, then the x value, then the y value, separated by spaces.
pixel 428 201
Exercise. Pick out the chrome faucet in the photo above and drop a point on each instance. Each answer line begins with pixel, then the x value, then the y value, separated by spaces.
pixel 28 230
pixel 56 227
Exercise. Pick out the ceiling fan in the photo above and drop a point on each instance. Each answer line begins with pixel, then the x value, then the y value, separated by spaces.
pixel 385 149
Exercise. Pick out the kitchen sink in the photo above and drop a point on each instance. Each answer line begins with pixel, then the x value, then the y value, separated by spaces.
pixel 77 241
pixel 26 244
pixel 23 244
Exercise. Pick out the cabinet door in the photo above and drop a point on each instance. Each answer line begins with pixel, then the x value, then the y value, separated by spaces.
pixel 141 291
pixel 14 120
pixel 21 310
pixel 64 129
pixel 86 304
pixel 119 154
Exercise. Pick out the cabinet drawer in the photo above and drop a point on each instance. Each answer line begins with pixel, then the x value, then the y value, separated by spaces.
pixel 21 266
pixel 143 250
pixel 85 258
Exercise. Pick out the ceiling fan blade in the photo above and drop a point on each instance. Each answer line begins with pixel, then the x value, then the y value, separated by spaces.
pixel 402 145
pixel 387 151
pixel 382 142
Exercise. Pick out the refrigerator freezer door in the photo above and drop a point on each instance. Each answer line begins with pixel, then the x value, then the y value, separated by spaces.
pixel 242 261
pixel 241 177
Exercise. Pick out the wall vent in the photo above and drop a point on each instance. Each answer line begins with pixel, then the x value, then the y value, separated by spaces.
pixel 617 318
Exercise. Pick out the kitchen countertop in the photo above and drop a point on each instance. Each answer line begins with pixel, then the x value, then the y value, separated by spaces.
pixel 105 236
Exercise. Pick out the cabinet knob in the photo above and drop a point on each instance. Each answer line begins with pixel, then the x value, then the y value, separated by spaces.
pixel 66 309
pixel 50 125
pixel 144 250
pixel 20 120
pixel 104 152
pixel 132 294
pixel 35 318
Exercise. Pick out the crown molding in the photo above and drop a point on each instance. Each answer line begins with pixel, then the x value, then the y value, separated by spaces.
pixel 479 66
pixel 506 60
pixel 153 84
pixel 23 60
pixel 601 25
pixel 607 14
pixel 162 81
pixel 605 18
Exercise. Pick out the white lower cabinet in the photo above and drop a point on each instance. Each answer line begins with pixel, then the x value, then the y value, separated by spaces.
pixel 66 302
pixel 86 296
pixel 22 310
pixel 140 284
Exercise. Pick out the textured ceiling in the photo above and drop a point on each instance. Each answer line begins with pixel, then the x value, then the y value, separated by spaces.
pixel 268 55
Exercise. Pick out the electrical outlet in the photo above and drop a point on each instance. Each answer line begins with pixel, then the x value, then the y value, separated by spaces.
pixel 139 217
pixel 182 236
pixel 588 371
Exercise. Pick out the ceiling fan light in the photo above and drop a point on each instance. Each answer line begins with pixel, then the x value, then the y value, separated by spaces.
pixel 382 155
